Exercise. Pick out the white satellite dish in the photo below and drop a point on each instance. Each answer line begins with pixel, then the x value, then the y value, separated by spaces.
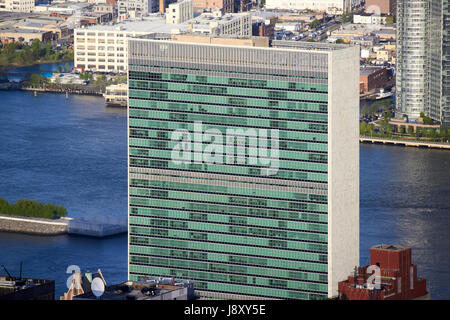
pixel 97 287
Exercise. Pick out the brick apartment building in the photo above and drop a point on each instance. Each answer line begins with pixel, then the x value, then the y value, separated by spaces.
pixel 398 276
pixel 386 6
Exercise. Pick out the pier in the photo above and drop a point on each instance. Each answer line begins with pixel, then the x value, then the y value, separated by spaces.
pixel 405 143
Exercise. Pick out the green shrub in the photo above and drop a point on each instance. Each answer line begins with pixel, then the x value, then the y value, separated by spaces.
pixel 31 208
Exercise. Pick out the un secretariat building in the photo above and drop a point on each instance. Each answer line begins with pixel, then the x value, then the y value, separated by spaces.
pixel 244 167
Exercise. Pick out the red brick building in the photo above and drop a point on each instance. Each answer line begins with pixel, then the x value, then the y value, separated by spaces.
pixel 386 6
pixel 372 78
pixel 397 274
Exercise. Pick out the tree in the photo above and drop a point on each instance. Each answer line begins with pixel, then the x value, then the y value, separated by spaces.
pixel 48 49
pixel 315 23
pixel 36 48
pixel 347 17
pixel 390 20
pixel 364 111
pixel 37 80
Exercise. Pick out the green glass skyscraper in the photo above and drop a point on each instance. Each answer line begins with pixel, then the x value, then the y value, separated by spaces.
pixel 244 167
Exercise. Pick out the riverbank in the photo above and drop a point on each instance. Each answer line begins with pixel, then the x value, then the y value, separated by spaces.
pixel 68 88
pixel 15 65
pixel 38 226
pixel 53 227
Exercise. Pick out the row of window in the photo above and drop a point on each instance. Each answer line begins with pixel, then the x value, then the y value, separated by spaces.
pixel 230 279
pixel 271 170
pixel 235 258
pixel 229 269
pixel 246 192
pixel 208 211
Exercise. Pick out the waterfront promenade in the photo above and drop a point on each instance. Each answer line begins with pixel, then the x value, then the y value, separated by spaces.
pixel 406 143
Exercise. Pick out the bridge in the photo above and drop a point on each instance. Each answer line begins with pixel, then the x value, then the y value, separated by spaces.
pixel 406 143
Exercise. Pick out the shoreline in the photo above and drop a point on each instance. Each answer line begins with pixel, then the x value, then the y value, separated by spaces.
pixel 405 143
pixel 7 68
pixel 61 226
pixel 31 225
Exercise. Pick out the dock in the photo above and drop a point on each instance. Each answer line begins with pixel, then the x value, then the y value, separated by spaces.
pixel 406 143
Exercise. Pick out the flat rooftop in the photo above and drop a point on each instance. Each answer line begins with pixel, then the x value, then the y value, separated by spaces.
pixel 9 285
pixel 308 45
pixel 138 290
pixel 156 23
pixel 369 70
pixel 22 30
pixel 391 247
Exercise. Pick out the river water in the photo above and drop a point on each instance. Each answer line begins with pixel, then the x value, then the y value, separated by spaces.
pixel 73 152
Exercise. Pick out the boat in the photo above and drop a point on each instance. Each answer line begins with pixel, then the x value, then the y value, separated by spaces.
pixel 116 95
pixel 383 95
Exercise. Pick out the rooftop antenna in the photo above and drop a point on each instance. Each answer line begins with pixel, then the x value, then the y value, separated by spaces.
pixel 6 270
pixel 355 276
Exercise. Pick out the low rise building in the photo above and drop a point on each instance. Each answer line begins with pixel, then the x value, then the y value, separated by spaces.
pixel 179 12
pixel 369 18
pixel 17 5
pixel 57 25
pixel 381 6
pixel 106 8
pixel 226 6
pixel 103 48
pixel 263 24
pixel 24 35
pixel 329 6
pixel 373 78
pixel 386 34
pixel 136 8
pixel 18 288
pixel 152 289
pixel 390 276
pixel 163 4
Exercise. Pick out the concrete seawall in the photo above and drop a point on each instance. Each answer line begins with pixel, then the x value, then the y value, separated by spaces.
pixel 41 226
pixel 93 228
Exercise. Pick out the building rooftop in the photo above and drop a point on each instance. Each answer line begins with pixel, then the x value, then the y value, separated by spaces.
pixel 22 30
pixel 154 289
pixel 156 23
pixel 10 285
pixel 369 70
pixel 308 45
pixel 390 247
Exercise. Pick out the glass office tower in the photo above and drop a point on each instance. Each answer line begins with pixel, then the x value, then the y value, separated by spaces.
pixel 244 227
pixel 423 74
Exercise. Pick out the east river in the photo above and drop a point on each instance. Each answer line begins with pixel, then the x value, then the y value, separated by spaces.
pixel 73 152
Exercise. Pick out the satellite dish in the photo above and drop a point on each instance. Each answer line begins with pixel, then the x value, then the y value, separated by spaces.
pixel 97 287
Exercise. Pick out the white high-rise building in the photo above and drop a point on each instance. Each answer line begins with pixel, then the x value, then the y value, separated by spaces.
pixel 422 70
pixel 136 7
pixel 103 48
pixel 180 12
